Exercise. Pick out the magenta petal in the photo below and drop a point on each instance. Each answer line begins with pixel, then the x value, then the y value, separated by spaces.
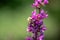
pixel 35 4
pixel 46 2
pixel 42 11
pixel 43 28
pixel 29 29
pixel 46 15
pixel 34 13
pixel 39 1
pixel 41 37
pixel 41 22
pixel 43 14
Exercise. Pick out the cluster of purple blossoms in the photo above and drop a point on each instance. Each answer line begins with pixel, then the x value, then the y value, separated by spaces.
pixel 36 25
pixel 38 3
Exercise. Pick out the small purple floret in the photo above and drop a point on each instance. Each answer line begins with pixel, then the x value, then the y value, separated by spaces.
pixel 46 2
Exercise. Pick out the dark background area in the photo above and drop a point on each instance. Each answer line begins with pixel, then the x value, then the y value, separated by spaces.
pixel 13 19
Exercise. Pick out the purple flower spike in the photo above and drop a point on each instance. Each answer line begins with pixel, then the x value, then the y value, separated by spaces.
pixel 35 21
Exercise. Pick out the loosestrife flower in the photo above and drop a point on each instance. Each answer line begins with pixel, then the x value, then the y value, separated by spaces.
pixel 35 21
pixel 38 3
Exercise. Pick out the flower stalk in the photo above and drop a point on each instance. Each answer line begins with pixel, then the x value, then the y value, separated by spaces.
pixel 35 21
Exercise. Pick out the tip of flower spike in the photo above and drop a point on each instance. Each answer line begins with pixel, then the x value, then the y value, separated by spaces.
pixel 36 3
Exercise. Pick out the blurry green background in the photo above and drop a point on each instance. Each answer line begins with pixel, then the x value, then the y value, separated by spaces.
pixel 13 19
